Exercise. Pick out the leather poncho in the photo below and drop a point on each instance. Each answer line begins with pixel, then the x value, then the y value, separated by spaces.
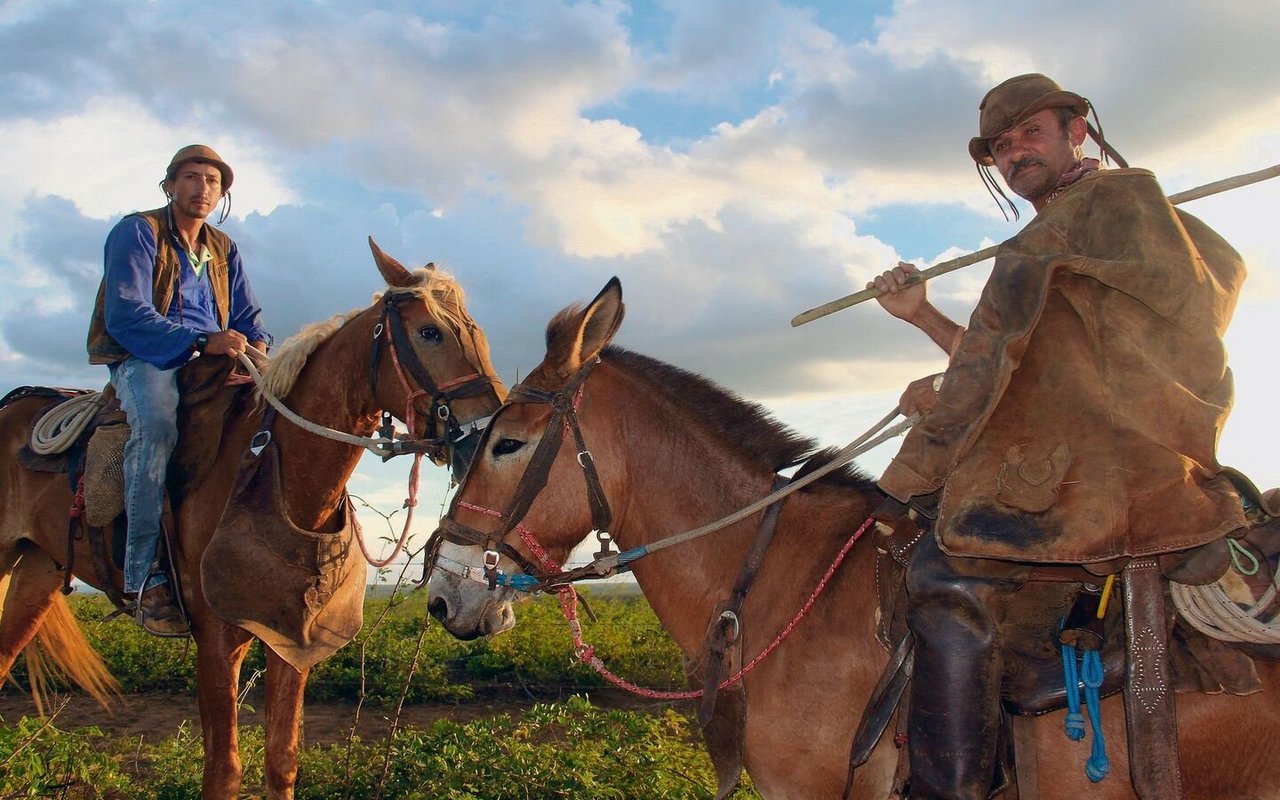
pixel 1080 414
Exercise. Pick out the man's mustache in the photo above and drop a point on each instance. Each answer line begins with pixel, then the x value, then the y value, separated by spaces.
pixel 1023 163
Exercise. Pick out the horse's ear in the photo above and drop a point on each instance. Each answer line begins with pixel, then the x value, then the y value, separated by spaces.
pixel 392 271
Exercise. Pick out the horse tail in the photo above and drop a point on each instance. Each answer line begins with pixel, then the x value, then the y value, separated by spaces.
pixel 60 649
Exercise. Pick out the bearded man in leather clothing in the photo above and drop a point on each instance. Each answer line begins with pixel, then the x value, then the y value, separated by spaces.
pixel 1078 420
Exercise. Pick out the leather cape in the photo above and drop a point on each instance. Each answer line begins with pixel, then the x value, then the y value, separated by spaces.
pixel 1080 414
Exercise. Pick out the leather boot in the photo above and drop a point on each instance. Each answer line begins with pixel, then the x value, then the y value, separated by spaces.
pixel 158 615
pixel 954 718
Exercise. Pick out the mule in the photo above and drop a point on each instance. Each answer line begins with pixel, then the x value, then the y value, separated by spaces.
pixel 673 452
pixel 327 373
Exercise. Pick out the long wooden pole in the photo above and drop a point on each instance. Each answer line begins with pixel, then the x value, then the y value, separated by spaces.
pixel 1217 187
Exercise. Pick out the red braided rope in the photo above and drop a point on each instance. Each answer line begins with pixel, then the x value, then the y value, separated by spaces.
pixel 586 653
pixel 411 502
pixel 526 536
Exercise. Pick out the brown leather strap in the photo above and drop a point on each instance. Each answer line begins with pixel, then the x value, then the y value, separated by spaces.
pixel 726 628
pixel 74 522
pixel 880 708
pixel 1026 757
pixel 1148 696
pixel 102 566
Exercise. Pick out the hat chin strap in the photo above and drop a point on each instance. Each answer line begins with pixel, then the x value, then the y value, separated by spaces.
pixel 997 194
pixel 1108 152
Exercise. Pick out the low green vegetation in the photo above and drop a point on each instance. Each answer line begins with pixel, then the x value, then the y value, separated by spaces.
pixel 559 747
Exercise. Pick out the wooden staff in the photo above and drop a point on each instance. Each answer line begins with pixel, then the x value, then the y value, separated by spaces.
pixel 1226 184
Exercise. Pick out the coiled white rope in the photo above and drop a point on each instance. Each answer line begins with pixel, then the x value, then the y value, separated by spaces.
pixel 1210 610
pixel 63 424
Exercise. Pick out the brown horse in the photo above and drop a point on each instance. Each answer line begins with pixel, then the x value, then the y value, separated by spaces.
pixel 326 374
pixel 674 452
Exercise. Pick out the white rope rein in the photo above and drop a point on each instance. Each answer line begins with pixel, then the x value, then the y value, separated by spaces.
pixel 371 443
pixel 64 423
pixel 850 451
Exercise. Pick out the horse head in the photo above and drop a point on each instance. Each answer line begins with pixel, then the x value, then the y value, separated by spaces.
pixel 524 503
pixel 436 345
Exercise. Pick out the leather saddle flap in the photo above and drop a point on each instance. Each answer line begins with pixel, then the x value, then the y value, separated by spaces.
pixel 300 592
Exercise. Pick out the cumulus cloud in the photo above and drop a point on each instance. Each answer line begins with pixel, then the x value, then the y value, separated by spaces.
pixel 527 147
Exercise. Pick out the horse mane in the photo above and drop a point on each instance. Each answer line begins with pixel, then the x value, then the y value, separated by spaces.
pixel 749 428
pixel 436 289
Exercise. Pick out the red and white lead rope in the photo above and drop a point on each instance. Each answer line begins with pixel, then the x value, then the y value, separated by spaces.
pixel 586 653
pixel 411 502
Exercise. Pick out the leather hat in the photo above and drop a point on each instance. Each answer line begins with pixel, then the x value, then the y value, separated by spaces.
pixel 202 154
pixel 1013 101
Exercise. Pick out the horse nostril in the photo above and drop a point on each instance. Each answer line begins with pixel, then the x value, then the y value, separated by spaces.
pixel 438 608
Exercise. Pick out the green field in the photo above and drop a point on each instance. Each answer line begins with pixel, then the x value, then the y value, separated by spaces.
pixel 552 743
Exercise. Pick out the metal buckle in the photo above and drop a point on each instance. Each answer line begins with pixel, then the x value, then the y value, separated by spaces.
pixel 259 442
pixel 729 623
pixel 605 539
pixel 377 330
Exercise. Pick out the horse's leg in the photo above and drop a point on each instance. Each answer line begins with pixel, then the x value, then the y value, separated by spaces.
pixel 284 711
pixel 33 581
pixel 220 649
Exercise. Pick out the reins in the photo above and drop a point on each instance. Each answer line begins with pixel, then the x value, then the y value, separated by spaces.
pixel 548 575
pixel 608 563
pixel 586 653
pixel 386 445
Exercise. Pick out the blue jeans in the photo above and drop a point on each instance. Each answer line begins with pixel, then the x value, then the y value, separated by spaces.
pixel 149 397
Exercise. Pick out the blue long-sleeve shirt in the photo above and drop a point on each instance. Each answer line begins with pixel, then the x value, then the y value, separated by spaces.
pixel 132 319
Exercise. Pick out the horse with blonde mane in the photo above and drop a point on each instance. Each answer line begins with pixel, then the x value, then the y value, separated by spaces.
pixel 331 373
pixel 673 452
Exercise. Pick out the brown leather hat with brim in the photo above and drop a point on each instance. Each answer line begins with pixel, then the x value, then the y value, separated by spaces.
pixel 1013 101
pixel 202 154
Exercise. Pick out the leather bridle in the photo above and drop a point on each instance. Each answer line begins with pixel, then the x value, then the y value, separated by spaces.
pixel 438 446
pixel 564 416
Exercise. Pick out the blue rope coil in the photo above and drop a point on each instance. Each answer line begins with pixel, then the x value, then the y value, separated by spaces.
pixel 1075 720
pixel 1091 674
pixel 1098 765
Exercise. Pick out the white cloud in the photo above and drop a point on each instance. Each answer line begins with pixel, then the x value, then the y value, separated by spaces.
pixel 473 135
pixel 109 158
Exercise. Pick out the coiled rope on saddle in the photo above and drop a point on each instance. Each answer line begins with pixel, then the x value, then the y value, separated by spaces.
pixel 1211 610
pixel 62 425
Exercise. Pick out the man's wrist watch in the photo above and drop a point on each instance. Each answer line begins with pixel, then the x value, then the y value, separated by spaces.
pixel 202 342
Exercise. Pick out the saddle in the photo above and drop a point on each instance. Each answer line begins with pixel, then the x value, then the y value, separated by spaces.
pixel 94 462
pixel 1141 622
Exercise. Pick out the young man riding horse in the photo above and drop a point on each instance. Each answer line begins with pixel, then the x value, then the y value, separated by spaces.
pixel 1077 422
pixel 173 288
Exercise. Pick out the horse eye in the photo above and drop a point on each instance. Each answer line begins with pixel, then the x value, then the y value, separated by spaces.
pixel 430 333
pixel 507 446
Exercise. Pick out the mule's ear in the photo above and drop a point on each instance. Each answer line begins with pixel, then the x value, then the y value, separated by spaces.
pixel 577 335
pixel 600 321
pixel 392 271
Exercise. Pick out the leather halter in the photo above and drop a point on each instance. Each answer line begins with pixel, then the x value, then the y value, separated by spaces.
pixel 404 358
pixel 564 417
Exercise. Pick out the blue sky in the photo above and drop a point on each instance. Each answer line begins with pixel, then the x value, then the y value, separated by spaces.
pixel 734 162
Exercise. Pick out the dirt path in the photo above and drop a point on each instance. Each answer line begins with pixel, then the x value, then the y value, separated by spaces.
pixel 158 715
